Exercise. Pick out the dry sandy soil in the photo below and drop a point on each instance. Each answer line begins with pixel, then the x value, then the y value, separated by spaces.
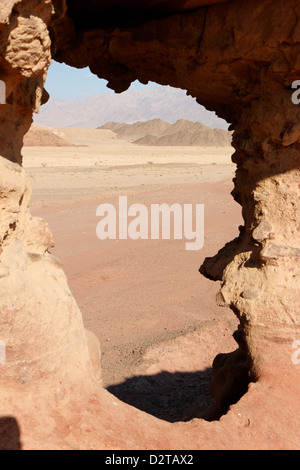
pixel 155 315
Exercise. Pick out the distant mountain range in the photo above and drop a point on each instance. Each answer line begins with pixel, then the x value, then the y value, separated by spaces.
pixel 153 102
pixel 155 132
pixel 160 133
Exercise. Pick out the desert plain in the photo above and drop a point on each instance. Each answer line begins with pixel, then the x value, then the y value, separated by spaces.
pixel 155 315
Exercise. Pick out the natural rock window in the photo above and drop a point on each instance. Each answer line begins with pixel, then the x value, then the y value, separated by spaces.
pixel 239 60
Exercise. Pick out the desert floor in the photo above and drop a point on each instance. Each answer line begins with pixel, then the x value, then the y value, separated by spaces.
pixel 155 316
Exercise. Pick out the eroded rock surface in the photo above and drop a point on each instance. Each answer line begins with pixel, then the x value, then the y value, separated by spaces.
pixel 238 59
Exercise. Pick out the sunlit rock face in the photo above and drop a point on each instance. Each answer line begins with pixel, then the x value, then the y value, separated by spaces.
pixel 237 58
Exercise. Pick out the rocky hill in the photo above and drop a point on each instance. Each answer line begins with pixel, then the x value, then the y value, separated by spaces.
pixel 161 133
pixel 150 133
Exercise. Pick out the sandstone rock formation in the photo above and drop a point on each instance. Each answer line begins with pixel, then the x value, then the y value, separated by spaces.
pixel 237 58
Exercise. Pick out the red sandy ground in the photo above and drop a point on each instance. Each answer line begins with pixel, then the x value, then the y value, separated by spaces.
pixel 155 316
pixel 160 330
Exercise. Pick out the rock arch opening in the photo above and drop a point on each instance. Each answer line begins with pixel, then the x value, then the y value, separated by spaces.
pixel 139 295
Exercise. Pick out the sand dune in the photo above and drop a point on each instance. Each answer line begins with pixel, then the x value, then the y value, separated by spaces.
pixel 88 137
pixel 42 136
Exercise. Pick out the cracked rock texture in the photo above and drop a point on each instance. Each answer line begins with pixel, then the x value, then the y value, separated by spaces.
pixel 237 58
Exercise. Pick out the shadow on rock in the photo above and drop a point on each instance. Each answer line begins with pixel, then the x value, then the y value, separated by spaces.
pixel 9 434
pixel 172 397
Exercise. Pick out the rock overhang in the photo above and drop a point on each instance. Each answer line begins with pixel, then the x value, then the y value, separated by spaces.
pixel 120 13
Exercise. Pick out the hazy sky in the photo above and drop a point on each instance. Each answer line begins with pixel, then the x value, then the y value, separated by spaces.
pixel 71 84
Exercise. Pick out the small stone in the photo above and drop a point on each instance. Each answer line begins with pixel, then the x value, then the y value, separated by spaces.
pixel 249 294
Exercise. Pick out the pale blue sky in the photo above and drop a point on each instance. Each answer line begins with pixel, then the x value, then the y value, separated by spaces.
pixel 71 84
